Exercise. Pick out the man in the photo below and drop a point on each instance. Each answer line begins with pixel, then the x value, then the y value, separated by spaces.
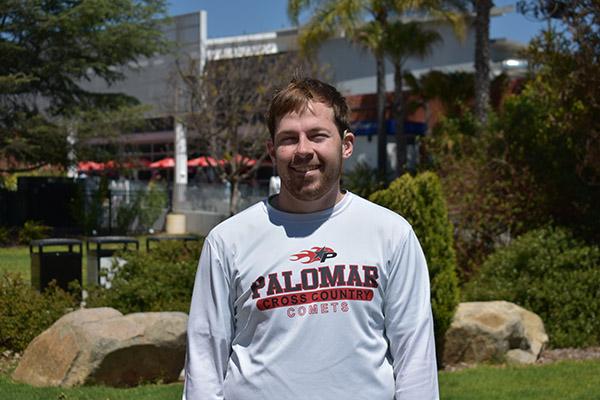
pixel 314 293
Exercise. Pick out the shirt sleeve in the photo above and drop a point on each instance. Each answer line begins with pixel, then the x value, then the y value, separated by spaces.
pixel 409 324
pixel 210 329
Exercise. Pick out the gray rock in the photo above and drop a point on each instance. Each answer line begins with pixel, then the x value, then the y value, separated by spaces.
pixel 102 346
pixel 518 356
pixel 488 331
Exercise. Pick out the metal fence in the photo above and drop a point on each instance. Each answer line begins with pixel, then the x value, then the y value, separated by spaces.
pixel 123 206
pixel 215 197
pixel 96 206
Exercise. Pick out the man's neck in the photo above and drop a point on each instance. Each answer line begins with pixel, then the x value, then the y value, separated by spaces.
pixel 284 202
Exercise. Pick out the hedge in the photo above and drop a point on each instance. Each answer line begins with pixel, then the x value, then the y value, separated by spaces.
pixel 421 202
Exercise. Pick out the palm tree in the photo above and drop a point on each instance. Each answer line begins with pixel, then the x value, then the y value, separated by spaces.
pixel 482 59
pixel 365 22
pixel 421 96
pixel 454 90
pixel 332 16
pixel 371 36
pixel 403 40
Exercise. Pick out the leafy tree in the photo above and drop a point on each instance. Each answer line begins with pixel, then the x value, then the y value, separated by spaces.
pixel 490 199
pixel 539 160
pixel 554 126
pixel 48 48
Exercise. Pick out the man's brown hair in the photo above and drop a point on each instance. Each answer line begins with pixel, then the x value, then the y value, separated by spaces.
pixel 296 96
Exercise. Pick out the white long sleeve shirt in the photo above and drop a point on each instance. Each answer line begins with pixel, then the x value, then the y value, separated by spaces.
pixel 327 305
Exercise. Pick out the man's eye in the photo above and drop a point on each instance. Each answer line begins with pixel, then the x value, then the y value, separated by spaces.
pixel 287 140
pixel 317 137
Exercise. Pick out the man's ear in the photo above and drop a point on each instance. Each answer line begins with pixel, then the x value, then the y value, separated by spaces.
pixel 347 144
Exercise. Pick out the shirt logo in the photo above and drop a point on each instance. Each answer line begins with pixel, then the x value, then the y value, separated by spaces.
pixel 314 254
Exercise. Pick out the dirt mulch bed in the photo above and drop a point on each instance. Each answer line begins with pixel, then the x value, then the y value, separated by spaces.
pixel 553 355
pixel 548 356
pixel 9 360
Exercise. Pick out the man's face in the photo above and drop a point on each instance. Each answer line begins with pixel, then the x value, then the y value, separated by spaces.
pixel 308 152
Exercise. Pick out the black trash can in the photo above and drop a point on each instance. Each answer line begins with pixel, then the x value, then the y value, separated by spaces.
pixel 50 263
pixel 160 238
pixel 101 258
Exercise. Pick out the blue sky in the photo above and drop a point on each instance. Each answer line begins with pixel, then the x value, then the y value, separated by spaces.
pixel 237 17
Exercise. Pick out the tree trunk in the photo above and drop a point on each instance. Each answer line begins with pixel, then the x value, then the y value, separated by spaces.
pixel 482 60
pixel 381 131
pixel 398 110
pixel 427 108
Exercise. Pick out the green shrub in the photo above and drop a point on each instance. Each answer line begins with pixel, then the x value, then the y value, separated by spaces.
pixel 553 274
pixel 421 202
pixel 6 236
pixel 126 214
pixel 161 280
pixel 154 200
pixel 25 312
pixel 363 180
pixel 88 207
pixel 8 182
pixel 33 230
pixel 144 208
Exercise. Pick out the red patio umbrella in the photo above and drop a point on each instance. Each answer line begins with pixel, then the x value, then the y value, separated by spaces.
pixel 239 159
pixel 135 164
pixel 111 164
pixel 197 162
pixel 168 162
pixel 89 166
pixel 203 161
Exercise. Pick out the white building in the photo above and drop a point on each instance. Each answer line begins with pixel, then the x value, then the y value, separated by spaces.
pixel 351 70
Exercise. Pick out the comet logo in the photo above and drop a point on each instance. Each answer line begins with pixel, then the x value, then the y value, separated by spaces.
pixel 314 254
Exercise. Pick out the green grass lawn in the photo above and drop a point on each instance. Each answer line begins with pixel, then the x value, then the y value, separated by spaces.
pixel 571 380
pixel 15 260
pixel 560 381
pixel 10 390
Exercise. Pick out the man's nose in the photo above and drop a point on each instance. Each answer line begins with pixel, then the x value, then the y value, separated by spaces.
pixel 304 148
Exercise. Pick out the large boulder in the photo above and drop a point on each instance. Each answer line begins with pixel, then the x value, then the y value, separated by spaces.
pixel 494 331
pixel 103 346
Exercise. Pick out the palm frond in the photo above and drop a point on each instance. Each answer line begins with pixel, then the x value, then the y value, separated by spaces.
pixel 406 39
pixel 328 18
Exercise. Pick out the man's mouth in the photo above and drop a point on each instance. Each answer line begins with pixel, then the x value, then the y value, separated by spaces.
pixel 304 168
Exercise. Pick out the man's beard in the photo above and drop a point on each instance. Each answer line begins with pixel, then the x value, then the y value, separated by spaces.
pixel 310 189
